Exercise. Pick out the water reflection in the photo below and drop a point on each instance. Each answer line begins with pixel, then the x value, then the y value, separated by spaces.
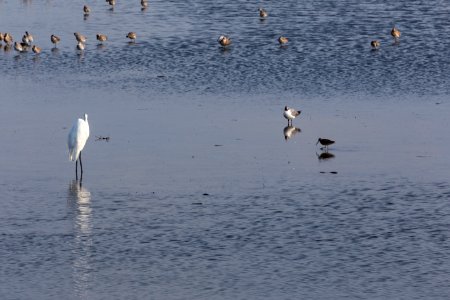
pixel 79 199
pixel 100 46
pixel 290 131
pixel 325 155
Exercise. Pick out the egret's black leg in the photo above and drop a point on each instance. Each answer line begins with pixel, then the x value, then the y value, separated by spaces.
pixel 81 165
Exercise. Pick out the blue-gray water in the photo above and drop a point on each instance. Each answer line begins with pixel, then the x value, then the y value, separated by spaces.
pixel 198 195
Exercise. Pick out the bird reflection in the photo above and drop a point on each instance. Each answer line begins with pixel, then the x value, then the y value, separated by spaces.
pixel 79 200
pixel 290 131
pixel 325 155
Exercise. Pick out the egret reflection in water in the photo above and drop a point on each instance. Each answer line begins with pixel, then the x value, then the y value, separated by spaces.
pixel 79 200
pixel 290 131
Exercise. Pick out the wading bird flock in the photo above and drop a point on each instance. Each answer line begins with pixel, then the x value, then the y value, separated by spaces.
pixel 223 40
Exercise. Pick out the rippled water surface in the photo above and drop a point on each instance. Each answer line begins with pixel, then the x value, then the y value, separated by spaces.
pixel 199 194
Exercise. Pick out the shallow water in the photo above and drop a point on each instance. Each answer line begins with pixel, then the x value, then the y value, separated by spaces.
pixel 197 194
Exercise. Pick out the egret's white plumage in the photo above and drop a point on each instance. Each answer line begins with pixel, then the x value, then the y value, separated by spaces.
pixel 78 136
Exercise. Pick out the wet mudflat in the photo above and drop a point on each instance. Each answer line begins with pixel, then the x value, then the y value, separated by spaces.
pixel 197 193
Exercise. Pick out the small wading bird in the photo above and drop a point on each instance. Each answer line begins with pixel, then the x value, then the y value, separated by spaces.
pixel 80 38
pixel 375 44
pixel 55 39
pixel 263 13
pixel 76 141
pixel 325 143
pixel 8 38
pixel 395 33
pixel 144 3
pixel 27 38
pixel 86 10
pixel 283 40
pixel 18 47
pixel 132 36
pixel 224 41
pixel 101 38
pixel 1 36
pixel 290 114
pixel 111 2
pixel 36 49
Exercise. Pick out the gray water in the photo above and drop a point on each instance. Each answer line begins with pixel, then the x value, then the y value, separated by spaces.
pixel 197 194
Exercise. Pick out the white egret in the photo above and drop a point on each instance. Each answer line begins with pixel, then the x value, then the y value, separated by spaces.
pixel 78 136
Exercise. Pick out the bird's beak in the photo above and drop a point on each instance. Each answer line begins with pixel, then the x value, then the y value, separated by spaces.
pixel 317 142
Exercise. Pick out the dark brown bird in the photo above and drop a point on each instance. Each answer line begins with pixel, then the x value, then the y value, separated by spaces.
pixel 27 38
pixel 18 47
pixel 375 44
pixel 395 33
pixel 55 39
pixel 132 36
pixel 325 142
pixel 224 40
pixel 86 10
pixel 8 38
pixel 36 49
pixel 283 40
pixel 101 38
pixel 80 38
pixel 263 13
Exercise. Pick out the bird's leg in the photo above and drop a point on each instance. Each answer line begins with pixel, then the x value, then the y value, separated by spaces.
pixel 81 165
pixel 76 170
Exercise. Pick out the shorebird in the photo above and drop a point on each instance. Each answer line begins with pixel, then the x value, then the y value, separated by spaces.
pixel 263 13
pixel 144 3
pixel 8 38
pixel 76 141
pixel 375 44
pixel 80 38
pixel 86 10
pixel 325 142
pixel 395 33
pixel 1 36
pixel 55 39
pixel 27 38
pixel 18 47
pixel 290 114
pixel 36 49
pixel 80 46
pixel 132 36
pixel 101 38
pixel 283 40
pixel 290 131
pixel 224 40
pixel 111 2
